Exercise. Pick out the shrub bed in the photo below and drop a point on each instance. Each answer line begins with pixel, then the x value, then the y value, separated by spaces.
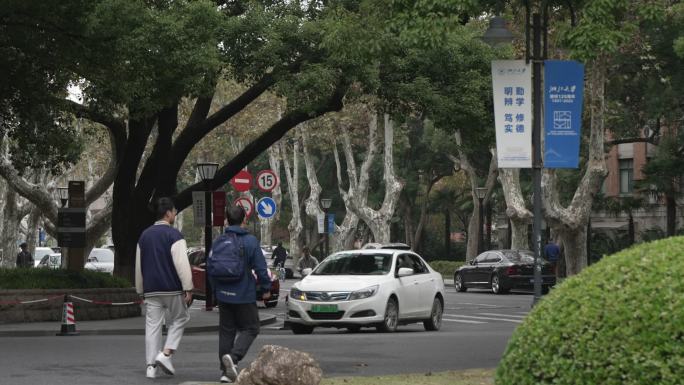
pixel 37 278
pixel 621 321
pixel 446 268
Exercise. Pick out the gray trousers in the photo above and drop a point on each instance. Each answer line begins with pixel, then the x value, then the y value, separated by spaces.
pixel 159 308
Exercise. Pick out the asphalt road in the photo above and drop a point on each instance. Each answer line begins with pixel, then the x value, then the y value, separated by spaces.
pixel 476 328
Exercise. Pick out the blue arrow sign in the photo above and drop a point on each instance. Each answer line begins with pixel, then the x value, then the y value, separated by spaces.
pixel 266 208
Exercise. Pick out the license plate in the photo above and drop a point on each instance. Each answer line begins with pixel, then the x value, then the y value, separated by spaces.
pixel 324 308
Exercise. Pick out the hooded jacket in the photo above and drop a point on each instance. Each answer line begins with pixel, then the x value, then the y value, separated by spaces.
pixel 244 290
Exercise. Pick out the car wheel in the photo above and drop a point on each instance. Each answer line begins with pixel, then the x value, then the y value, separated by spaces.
pixel 497 286
pixel 435 321
pixel 391 321
pixel 301 329
pixel 271 304
pixel 354 329
pixel 459 284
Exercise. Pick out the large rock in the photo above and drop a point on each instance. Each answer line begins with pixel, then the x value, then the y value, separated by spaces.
pixel 276 365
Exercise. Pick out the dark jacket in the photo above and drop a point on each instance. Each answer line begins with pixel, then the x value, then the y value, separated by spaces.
pixel 162 266
pixel 280 255
pixel 244 290
pixel 24 259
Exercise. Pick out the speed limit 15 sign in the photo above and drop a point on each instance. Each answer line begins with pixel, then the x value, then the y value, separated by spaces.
pixel 267 180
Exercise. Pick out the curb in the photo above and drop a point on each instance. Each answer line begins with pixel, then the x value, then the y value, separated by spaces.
pixel 268 320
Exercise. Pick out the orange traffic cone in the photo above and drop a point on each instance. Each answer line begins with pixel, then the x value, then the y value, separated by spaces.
pixel 68 319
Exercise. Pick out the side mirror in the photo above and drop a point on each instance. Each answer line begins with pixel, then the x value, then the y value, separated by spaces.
pixel 404 272
pixel 473 262
pixel 306 272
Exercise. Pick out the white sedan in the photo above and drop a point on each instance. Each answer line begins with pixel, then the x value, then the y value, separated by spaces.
pixel 380 288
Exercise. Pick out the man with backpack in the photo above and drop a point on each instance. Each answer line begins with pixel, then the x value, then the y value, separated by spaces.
pixel 233 257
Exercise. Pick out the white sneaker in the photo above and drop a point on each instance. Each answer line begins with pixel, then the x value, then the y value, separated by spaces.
pixel 225 380
pixel 164 362
pixel 151 371
pixel 230 369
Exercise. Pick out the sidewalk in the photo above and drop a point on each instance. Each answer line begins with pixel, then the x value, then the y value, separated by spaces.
pixel 200 322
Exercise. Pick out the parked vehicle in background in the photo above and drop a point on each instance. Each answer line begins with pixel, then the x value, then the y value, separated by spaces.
pixel 503 270
pixel 51 261
pixel 197 264
pixel 374 287
pixel 40 252
pixel 101 259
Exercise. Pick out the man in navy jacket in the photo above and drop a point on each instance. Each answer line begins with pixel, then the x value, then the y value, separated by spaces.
pixel 163 277
pixel 238 314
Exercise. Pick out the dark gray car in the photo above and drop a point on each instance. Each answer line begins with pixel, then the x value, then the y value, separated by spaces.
pixel 501 271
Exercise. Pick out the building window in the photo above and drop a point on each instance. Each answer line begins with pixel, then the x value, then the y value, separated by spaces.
pixel 626 176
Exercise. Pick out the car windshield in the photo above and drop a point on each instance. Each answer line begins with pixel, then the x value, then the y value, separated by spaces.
pixel 520 257
pixel 355 264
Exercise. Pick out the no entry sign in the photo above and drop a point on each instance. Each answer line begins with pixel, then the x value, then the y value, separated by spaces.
pixel 242 181
pixel 267 180
pixel 246 204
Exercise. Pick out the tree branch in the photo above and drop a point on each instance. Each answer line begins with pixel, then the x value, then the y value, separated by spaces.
pixel 261 144
pixel 193 133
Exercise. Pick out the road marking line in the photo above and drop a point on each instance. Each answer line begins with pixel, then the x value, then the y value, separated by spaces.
pixel 476 304
pixel 488 318
pixel 462 321
pixel 502 315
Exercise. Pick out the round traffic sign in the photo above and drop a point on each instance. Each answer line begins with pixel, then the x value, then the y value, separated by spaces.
pixel 246 204
pixel 266 208
pixel 267 180
pixel 242 181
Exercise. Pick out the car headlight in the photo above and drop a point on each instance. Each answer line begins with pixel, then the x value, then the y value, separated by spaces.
pixel 297 294
pixel 364 293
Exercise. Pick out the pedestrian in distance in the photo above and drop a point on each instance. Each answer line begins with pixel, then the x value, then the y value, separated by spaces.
pixel 24 258
pixel 552 254
pixel 164 279
pixel 280 255
pixel 307 261
pixel 233 257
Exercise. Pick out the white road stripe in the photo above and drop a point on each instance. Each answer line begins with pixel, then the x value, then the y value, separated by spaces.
pixel 502 315
pixel 476 304
pixel 462 321
pixel 488 318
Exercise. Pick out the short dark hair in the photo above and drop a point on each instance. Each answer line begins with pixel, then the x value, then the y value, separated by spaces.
pixel 280 244
pixel 23 245
pixel 162 206
pixel 235 215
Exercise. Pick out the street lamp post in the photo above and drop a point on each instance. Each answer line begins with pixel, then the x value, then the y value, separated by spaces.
pixel 325 204
pixel 481 192
pixel 207 171
pixel 495 34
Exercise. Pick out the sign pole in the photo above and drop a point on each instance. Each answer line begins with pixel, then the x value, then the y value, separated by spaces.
pixel 209 295
pixel 537 155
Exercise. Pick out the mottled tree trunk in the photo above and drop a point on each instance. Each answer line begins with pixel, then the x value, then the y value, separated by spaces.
pixel 475 224
pixel 379 220
pixel 516 209
pixel 575 248
pixel 10 228
pixel 32 228
pixel 356 195
pixel 292 175
pixel 571 221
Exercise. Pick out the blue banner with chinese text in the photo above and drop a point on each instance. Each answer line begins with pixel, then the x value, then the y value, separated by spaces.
pixel 563 93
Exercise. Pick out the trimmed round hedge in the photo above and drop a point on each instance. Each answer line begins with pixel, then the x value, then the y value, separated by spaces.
pixel 621 321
